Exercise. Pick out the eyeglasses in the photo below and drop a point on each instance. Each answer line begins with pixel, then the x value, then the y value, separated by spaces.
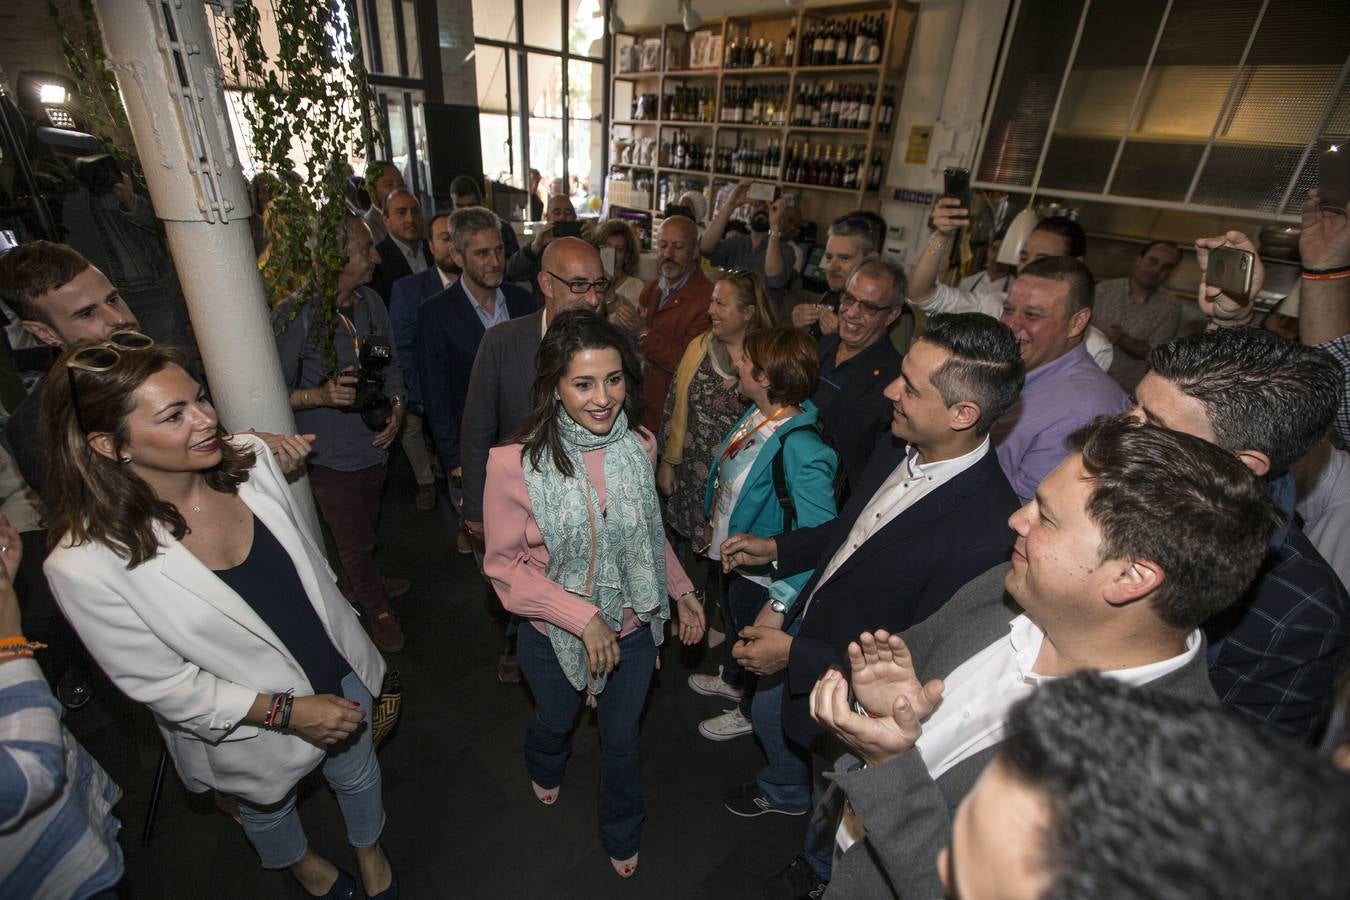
pixel 100 358
pixel 870 309
pixel 581 286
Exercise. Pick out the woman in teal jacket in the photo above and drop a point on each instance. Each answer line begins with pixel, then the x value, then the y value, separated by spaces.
pixel 779 370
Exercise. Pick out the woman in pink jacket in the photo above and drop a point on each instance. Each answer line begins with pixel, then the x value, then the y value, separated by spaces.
pixel 575 545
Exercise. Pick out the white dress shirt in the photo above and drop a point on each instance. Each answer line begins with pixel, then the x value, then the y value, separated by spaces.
pixel 907 485
pixel 977 696
pixel 412 253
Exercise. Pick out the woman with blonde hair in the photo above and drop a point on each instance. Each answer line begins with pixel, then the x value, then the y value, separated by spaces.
pixel 183 561
pixel 704 403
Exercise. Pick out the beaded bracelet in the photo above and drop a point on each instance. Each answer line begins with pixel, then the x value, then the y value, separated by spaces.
pixel 19 641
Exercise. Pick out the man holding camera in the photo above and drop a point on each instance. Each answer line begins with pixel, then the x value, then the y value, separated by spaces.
pixel 356 415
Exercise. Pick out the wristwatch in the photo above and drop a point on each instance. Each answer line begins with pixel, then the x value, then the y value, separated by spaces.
pixel 778 606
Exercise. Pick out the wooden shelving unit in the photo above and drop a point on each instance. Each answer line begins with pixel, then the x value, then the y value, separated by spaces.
pixel 818 202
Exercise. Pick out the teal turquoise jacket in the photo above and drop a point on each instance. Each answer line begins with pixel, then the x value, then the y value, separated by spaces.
pixel 809 465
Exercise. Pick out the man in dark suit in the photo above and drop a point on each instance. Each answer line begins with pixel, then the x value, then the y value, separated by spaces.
pixel 1275 655
pixel 409 293
pixel 889 560
pixel 858 362
pixel 403 251
pixel 499 387
pixel 1128 546
pixel 451 325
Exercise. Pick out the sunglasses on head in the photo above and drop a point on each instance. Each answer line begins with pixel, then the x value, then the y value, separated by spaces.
pixel 100 358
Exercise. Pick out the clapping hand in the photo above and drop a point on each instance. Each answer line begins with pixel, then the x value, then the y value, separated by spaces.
pixel 887 688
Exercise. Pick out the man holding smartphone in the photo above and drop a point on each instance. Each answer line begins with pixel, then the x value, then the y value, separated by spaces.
pixel 524 264
pixel 765 249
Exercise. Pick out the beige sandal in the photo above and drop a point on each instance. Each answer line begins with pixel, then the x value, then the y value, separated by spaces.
pixel 547 796
pixel 625 867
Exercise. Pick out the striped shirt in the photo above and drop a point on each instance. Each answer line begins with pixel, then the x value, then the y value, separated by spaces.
pixel 58 836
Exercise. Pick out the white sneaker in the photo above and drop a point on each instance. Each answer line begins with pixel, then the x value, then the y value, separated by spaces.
pixel 730 724
pixel 714 686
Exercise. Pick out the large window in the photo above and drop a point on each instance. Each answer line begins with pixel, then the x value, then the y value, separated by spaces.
pixel 394 63
pixel 1173 103
pixel 541 83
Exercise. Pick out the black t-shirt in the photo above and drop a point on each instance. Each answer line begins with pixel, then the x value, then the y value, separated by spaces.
pixel 268 582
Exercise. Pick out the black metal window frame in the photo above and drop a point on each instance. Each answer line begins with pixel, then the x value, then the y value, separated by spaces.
pixel 400 86
pixel 522 51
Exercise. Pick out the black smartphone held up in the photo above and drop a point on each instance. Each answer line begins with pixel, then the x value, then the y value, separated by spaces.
pixel 1230 270
pixel 567 228
pixel 956 183
pixel 1333 172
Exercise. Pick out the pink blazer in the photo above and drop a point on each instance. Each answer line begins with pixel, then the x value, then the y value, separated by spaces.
pixel 515 558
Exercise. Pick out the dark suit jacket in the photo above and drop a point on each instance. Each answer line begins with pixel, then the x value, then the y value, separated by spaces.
pixel 498 399
pixel 448 335
pixel 669 330
pixel 899 577
pixel 906 813
pixel 393 266
pixel 409 293
pixel 857 415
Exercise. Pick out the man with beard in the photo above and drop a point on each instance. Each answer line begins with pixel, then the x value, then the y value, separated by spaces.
pixel 499 388
pixel 764 250
pixel 675 309
pixel 1135 312
pixel 451 325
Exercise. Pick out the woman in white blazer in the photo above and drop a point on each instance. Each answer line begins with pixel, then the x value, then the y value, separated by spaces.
pixel 181 558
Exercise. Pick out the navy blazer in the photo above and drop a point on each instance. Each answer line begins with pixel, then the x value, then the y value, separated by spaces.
pixel 409 294
pixel 900 576
pixel 857 415
pixel 448 334
pixel 393 266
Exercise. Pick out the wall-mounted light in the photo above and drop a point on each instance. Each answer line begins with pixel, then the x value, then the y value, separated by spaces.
pixel 688 16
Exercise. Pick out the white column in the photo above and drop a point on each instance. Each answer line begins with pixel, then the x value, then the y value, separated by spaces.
pixel 171 85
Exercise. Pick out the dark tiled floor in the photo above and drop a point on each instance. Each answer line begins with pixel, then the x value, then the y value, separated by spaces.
pixel 463 822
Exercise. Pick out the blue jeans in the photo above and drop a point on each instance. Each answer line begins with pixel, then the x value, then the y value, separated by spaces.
pixel 352 771
pixel 548 739
pixel 742 600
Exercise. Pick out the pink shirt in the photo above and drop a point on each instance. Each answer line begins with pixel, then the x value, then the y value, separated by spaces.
pixel 515 558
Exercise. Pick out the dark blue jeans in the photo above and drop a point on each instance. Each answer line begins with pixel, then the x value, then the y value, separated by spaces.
pixel 548 739
pixel 742 600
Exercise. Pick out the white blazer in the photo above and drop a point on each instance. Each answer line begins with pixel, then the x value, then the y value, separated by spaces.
pixel 175 637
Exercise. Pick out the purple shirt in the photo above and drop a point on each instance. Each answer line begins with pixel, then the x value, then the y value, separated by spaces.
pixel 1058 398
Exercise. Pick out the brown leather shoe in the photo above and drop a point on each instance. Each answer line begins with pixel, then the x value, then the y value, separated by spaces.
pixel 386 633
pixel 463 542
pixel 426 497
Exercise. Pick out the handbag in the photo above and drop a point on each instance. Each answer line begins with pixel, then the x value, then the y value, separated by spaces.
pixel 387 706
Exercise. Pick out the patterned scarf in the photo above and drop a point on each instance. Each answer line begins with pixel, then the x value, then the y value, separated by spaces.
pixel 613 558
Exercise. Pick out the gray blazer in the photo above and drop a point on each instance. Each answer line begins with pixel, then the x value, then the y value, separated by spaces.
pixel 498 399
pixel 907 814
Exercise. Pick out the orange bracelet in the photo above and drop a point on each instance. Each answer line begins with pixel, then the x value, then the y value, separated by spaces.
pixel 1326 276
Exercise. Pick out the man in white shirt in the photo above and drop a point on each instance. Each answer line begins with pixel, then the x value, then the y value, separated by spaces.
pixel 889 561
pixel 1140 535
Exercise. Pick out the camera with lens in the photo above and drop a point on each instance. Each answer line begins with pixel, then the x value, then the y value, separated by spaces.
pixel 373 358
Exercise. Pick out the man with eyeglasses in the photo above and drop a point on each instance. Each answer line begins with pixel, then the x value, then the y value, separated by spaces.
pixel 858 361
pixel 451 325
pixel 675 308
pixel 498 398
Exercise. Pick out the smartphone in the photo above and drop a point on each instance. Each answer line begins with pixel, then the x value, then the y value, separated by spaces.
pixel 1230 270
pixel 763 190
pixel 1333 168
pixel 567 229
pixel 956 183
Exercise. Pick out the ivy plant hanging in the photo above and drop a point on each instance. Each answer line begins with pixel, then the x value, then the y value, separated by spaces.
pixel 306 106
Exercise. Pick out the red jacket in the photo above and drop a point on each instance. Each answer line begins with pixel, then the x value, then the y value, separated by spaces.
pixel 669 330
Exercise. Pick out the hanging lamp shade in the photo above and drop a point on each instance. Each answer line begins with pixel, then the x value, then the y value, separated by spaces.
pixel 689 17
pixel 1022 225
pixel 616 23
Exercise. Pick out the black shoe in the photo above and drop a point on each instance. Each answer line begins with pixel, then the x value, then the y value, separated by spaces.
pixel 74 689
pixel 749 801
pixel 796 882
